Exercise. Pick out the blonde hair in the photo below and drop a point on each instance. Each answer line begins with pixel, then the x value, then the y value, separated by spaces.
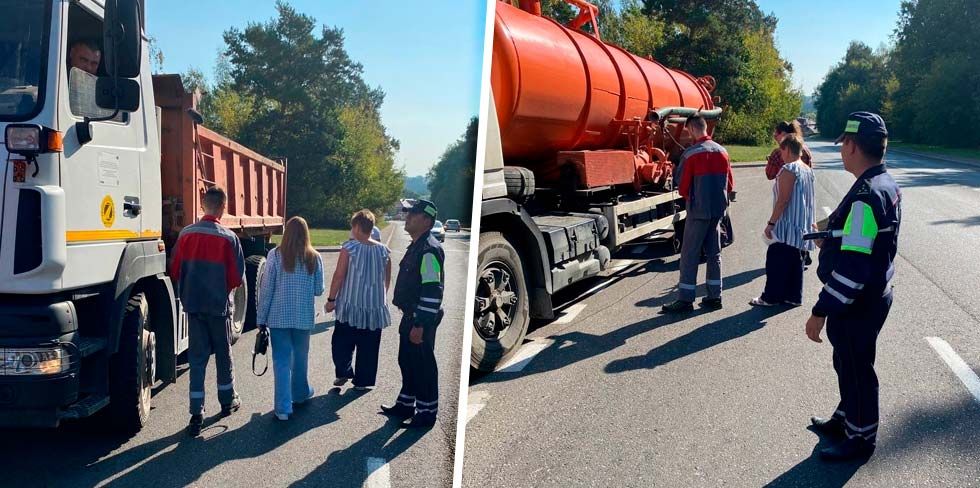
pixel 296 247
pixel 364 220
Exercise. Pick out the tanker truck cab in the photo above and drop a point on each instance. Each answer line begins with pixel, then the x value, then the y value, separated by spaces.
pixel 88 317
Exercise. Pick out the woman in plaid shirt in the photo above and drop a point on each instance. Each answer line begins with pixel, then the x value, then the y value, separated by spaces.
pixel 775 160
pixel 293 276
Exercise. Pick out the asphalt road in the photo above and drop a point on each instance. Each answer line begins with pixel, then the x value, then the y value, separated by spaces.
pixel 337 440
pixel 621 396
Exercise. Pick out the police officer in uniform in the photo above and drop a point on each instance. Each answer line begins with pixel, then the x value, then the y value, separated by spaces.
pixel 418 294
pixel 856 267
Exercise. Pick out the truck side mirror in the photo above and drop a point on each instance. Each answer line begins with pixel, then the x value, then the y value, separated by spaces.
pixel 121 93
pixel 122 38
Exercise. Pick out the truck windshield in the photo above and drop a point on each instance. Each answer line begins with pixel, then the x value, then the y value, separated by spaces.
pixel 23 42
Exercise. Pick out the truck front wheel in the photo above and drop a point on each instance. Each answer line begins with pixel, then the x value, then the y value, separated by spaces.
pixel 501 318
pixel 133 368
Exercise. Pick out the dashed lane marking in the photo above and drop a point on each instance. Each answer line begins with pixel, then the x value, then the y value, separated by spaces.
pixel 524 355
pixel 475 401
pixel 570 313
pixel 962 370
pixel 378 474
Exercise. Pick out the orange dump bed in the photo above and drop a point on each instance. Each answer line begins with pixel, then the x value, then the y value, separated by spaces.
pixel 194 158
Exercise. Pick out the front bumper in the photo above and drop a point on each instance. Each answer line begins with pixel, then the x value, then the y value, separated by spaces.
pixel 39 400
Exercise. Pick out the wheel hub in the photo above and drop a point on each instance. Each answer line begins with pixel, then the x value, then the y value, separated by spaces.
pixel 495 300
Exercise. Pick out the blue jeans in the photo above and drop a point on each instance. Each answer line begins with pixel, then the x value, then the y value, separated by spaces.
pixel 290 361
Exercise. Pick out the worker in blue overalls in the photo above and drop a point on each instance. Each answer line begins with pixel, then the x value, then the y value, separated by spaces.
pixel 856 267
pixel 418 294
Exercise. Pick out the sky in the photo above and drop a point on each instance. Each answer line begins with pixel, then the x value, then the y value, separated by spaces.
pixel 426 56
pixel 814 36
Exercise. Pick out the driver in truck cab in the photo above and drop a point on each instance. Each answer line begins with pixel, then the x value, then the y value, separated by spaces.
pixel 85 55
pixel 208 264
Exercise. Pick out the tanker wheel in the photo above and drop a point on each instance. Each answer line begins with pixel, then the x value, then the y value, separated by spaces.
pixel 132 369
pixel 239 302
pixel 254 267
pixel 500 318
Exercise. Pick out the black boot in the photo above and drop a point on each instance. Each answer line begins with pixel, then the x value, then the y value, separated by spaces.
pixel 420 421
pixel 711 303
pixel 231 408
pixel 194 426
pixel 677 306
pixel 398 410
pixel 832 427
pixel 852 449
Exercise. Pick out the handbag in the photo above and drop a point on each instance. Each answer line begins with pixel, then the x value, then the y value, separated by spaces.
pixel 261 347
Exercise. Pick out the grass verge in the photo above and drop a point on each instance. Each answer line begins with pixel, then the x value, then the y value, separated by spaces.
pixel 938 150
pixel 328 237
pixel 748 154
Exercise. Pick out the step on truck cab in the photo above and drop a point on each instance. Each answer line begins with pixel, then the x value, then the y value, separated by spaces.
pixel 582 140
pixel 103 164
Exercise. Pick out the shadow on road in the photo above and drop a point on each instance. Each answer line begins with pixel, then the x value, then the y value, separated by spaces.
pixel 347 468
pixel 965 222
pixel 181 460
pixel 813 472
pixel 698 340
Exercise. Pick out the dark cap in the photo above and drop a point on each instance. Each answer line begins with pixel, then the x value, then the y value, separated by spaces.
pixel 421 207
pixel 864 125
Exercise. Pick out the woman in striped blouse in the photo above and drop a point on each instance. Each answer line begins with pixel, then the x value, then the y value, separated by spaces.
pixel 792 216
pixel 292 277
pixel 358 293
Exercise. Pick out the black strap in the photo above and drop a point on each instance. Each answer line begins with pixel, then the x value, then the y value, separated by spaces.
pixel 266 368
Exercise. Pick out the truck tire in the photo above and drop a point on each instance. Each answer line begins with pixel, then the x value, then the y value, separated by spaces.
pixel 132 369
pixel 239 299
pixel 519 182
pixel 501 315
pixel 254 266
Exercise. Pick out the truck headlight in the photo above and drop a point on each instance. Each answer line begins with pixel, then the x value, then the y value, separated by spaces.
pixel 23 139
pixel 33 361
pixel 32 139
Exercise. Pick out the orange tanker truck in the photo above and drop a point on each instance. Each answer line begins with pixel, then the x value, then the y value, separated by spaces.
pixel 582 142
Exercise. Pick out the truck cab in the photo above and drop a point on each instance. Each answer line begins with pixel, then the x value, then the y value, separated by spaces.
pixel 88 317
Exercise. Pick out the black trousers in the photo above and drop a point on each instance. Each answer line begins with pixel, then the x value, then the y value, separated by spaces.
pixel 420 373
pixel 784 274
pixel 345 341
pixel 854 337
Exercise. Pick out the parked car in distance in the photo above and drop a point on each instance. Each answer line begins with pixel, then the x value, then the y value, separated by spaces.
pixel 453 225
pixel 439 231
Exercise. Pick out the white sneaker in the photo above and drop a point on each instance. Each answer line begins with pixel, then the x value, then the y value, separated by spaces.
pixel 282 416
pixel 759 302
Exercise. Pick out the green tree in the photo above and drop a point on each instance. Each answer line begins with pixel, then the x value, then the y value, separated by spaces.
pixel 936 65
pixel 292 92
pixel 859 82
pixel 451 178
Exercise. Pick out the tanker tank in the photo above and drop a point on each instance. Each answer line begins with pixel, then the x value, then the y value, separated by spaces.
pixel 566 99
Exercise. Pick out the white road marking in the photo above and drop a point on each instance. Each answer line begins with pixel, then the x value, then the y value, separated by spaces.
pixel 570 313
pixel 388 240
pixel 378 474
pixel 959 367
pixel 475 401
pixel 524 356
pixel 638 249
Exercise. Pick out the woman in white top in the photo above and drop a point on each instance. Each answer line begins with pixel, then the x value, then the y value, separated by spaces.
pixel 358 293
pixel 792 216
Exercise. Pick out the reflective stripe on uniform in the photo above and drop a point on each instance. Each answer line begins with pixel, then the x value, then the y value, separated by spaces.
pixel 431 270
pixel 229 386
pixel 427 309
pixel 838 295
pixel 430 300
pixel 685 286
pixel 197 394
pixel 847 281
pixel 860 229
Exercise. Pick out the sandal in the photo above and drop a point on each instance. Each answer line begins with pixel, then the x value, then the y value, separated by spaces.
pixel 759 302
